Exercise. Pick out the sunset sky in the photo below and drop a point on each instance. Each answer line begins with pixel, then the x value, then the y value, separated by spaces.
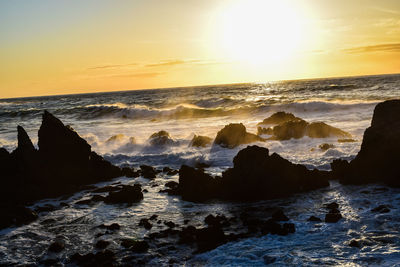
pixel 70 46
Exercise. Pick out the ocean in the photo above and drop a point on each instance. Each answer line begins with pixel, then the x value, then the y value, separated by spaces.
pixel 132 116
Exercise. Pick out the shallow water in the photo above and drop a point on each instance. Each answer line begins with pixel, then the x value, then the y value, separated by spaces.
pixel 345 103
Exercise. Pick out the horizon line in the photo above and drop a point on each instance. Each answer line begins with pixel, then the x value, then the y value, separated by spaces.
pixel 201 85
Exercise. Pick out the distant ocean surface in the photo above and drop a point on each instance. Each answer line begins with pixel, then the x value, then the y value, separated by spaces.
pixel 346 103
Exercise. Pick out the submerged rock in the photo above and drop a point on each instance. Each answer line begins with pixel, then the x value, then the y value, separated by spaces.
pixel 325 146
pixel 235 134
pixel 200 141
pixel 279 117
pixel 379 157
pixel 128 194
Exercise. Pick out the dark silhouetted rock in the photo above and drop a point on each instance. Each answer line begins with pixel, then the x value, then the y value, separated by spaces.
pixel 57 246
pixel 102 244
pixel 333 216
pixel 200 141
pixel 381 209
pixel 128 194
pixel 16 215
pixel 161 138
pixel 101 258
pixel 323 130
pixel 332 206
pixel 129 172
pixel 135 245
pixel 314 219
pixel 195 185
pixel 113 226
pixel 148 171
pixel 278 215
pixel 145 223
pixel 256 175
pixel 209 238
pixel 279 117
pixel 354 243
pixel 235 134
pixel 379 157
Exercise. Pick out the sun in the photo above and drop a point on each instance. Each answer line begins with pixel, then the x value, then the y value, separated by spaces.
pixel 260 31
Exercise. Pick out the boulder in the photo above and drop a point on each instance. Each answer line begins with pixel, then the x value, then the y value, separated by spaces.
pixel 161 138
pixel 323 130
pixel 378 159
pixel 279 117
pixel 148 171
pixel 255 175
pixel 235 134
pixel 325 146
pixel 128 194
pixel 200 141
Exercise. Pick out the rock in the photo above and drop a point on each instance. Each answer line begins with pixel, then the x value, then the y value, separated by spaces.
pixel 235 134
pixel 256 175
pixel 378 159
pixel 148 171
pixel 128 194
pixel 261 131
pixel 161 138
pixel 200 141
pixel 346 140
pixel 16 215
pixel 116 138
pixel 325 146
pixel 333 216
pixel 170 224
pixel 153 217
pixel 279 117
pixel 216 221
pixel 278 215
pixel 381 209
pixel 314 219
pixel 354 243
pixel 195 185
pixel 332 206
pixel 299 128
pixel 101 258
pixel 113 226
pixel 209 238
pixel 172 184
pixel 102 244
pixel 135 245
pixel 57 246
pixel 129 172
pixel 145 223
pixel 323 130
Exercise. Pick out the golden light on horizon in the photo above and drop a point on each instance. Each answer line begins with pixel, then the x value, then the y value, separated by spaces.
pixel 261 32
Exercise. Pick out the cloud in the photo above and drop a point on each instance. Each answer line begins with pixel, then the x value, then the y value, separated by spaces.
pixel 111 66
pixel 393 47
pixel 166 63
pixel 138 75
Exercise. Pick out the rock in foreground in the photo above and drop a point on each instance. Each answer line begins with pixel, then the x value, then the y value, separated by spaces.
pixel 379 158
pixel 256 175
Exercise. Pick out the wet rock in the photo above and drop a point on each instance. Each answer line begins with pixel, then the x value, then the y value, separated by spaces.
pixel 57 246
pixel 153 217
pixel 161 138
pixel 128 194
pixel 332 206
pixel 148 171
pixel 354 243
pixel 378 158
pixel 129 172
pixel 216 221
pixel 102 244
pixel 102 258
pixel 200 141
pixel 314 219
pixel 381 209
pixel 325 146
pixel 116 138
pixel 16 215
pixel 145 223
pixel 268 260
pixel 323 130
pixel 209 238
pixel 333 216
pixel 262 130
pixel 279 117
pixel 278 215
pixel 112 227
pixel 256 175
pixel 170 224
pixel 346 140
pixel 235 134
pixel 195 185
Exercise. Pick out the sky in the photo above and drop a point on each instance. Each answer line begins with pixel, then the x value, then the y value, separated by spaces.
pixel 50 47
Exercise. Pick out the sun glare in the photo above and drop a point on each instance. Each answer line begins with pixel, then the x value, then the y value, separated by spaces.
pixel 260 31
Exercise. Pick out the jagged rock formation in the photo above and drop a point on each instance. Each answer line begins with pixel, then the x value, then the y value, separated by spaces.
pixel 235 134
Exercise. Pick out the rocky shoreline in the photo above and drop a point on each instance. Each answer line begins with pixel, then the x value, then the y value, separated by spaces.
pixel 64 163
